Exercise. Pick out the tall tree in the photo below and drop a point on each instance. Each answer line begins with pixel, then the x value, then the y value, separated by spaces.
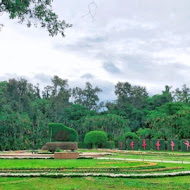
pixel 87 97
pixel 182 95
pixel 112 124
pixel 35 10
pixel 58 95
pixel 128 94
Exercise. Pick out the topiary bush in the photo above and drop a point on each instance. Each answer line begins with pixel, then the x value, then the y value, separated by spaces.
pixel 53 146
pixel 121 145
pixel 132 144
pixel 95 139
pixel 185 145
pixel 144 144
pixel 158 144
pixel 173 145
pixel 59 132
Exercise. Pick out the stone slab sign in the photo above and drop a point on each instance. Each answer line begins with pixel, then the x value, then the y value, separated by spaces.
pixel 66 155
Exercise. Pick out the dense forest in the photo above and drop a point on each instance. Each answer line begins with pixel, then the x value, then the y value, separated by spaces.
pixel 25 112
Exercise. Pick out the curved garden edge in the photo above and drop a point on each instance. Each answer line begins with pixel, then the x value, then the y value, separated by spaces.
pixel 55 175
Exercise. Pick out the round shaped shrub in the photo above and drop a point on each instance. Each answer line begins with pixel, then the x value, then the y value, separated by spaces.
pixel 95 139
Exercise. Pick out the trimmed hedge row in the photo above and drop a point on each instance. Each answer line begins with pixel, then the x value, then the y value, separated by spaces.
pixel 108 144
pixel 157 145
pixel 62 145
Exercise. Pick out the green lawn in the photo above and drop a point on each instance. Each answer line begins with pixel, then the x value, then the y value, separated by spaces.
pixel 152 157
pixel 87 163
pixel 39 163
pixel 94 183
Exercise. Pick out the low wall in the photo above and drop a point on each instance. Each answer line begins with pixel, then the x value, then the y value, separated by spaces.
pixel 66 155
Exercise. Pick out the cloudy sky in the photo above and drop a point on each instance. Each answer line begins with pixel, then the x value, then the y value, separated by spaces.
pixel 144 42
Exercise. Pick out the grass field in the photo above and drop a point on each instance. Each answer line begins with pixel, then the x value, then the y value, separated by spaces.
pixel 94 183
pixel 41 163
pixel 151 155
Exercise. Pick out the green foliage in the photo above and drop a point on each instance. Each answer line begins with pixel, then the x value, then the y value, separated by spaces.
pixel 128 94
pixel 130 135
pixel 170 120
pixel 95 138
pixel 58 97
pixel 59 132
pixel 30 11
pixel 159 99
pixel 112 124
pixel 81 145
pixel 87 97
pixel 74 116
pixel 58 150
pixel 109 145
pixel 25 112
pixel 144 133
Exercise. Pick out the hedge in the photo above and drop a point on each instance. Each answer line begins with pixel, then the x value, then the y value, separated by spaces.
pixel 185 145
pixel 52 146
pixel 144 144
pixel 132 144
pixel 109 145
pixel 59 132
pixel 158 144
pixel 81 145
pixel 173 145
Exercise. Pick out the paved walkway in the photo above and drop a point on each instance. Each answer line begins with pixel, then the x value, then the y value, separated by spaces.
pixel 146 160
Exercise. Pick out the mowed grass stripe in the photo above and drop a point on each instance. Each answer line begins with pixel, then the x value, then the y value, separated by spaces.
pixel 51 163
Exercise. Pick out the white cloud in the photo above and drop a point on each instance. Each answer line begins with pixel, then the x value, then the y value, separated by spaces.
pixel 143 42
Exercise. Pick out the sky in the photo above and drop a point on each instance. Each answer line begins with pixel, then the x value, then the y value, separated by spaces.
pixel 143 42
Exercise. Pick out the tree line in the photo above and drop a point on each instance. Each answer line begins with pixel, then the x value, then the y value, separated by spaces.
pixel 25 112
